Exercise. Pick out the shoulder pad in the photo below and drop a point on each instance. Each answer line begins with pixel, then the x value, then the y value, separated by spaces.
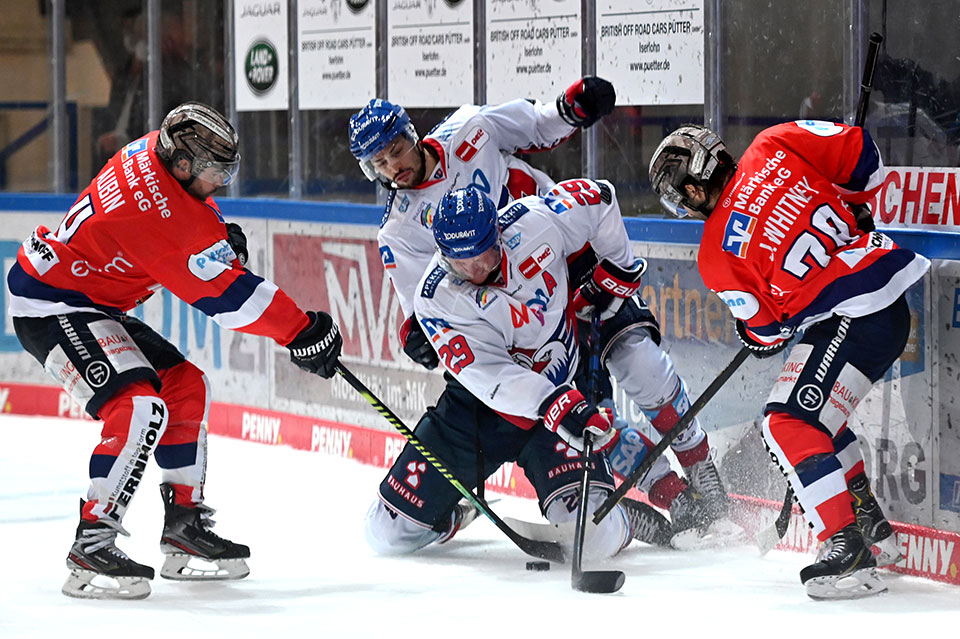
pixel 432 282
pixel 512 214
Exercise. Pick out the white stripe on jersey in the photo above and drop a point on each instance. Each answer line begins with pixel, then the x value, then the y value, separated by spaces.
pixel 251 310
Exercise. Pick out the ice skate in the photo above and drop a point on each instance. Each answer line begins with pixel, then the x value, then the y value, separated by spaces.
pixel 877 531
pixel 646 523
pixel 695 526
pixel 704 477
pixel 100 570
pixel 193 552
pixel 846 571
pixel 464 514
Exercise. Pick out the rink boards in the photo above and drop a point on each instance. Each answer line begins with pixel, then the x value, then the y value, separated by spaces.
pixel 325 256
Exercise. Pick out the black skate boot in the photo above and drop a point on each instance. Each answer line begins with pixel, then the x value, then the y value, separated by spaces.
pixel 100 570
pixel 876 530
pixel 847 571
pixel 463 515
pixel 646 523
pixel 705 479
pixel 192 551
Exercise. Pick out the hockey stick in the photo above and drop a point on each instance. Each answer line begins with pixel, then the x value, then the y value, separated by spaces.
pixel 668 438
pixel 594 580
pixel 765 538
pixel 540 549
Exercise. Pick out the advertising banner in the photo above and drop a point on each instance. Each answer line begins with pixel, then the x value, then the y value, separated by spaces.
pixel 652 51
pixel 533 48
pixel 337 68
pixel 430 52
pixel 260 54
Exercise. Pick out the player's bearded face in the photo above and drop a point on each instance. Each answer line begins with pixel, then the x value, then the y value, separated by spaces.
pixel 478 269
pixel 400 162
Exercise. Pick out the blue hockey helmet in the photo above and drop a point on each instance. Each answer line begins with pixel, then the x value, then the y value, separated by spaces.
pixel 375 126
pixel 466 224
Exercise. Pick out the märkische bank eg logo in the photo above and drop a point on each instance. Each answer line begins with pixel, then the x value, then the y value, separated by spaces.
pixel 262 66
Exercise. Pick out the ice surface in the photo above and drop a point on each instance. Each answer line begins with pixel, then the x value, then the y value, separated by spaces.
pixel 313 576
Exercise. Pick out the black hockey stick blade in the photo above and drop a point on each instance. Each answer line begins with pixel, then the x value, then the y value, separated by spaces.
pixel 647 463
pixel 598 581
pixel 548 550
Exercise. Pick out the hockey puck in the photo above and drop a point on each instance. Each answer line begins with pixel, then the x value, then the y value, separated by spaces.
pixel 538 566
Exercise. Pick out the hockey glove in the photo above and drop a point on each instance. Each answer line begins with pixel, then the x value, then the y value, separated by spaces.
pixel 316 348
pixel 759 349
pixel 238 242
pixel 586 101
pixel 864 217
pixel 566 413
pixel 416 345
pixel 608 288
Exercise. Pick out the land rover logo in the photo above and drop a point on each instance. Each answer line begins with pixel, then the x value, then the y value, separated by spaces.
pixel 261 66
pixel 356 6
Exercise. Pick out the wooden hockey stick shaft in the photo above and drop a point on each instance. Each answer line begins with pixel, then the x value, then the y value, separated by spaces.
pixel 541 549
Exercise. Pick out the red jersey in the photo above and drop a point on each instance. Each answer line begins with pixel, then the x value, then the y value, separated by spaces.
pixel 136 229
pixel 782 247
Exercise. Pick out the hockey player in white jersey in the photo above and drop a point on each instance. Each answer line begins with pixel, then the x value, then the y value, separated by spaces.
pixel 473 145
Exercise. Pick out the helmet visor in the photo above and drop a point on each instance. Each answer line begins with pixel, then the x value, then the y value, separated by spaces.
pixel 381 164
pixel 216 172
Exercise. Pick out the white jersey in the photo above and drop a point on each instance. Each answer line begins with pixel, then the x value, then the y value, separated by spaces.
pixel 512 343
pixel 474 145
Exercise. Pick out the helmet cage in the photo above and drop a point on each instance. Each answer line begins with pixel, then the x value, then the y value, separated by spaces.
pixel 204 138
pixel 689 155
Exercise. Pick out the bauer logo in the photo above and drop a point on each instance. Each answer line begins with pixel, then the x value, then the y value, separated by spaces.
pixel 261 66
pixel 737 234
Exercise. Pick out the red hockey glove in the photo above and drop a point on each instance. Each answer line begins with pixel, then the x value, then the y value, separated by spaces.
pixel 316 348
pixel 567 413
pixel 416 345
pixel 607 290
pixel 586 101
pixel 759 349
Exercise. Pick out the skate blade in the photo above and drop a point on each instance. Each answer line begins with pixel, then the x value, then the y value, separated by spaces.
pixel 857 585
pixel 181 567
pixel 86 584
pixel 719 534
pixel 886 551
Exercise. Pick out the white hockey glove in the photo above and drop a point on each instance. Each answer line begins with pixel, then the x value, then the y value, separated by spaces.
pixel 566 413
pixel 609 287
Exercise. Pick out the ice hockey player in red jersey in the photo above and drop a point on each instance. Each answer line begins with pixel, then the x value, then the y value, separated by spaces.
pixel 148 221
pixel 790 246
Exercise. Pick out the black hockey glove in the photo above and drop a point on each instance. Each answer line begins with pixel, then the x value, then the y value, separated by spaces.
pixel 756 348
pixel 238 242
pixel 586 101
pixel 316 348
pixel 609 287
pixel 566 413
pixel 864 217
pixel 416 345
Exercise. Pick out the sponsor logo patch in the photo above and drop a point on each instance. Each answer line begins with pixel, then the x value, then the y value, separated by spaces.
pixel 537 261
pixel 386 256
pixel 472 143
pixel 737 234
pixel 211 261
